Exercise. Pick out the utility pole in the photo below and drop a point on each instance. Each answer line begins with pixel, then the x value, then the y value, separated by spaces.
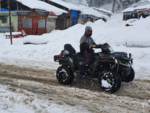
pixel 10 22
pixel 113 9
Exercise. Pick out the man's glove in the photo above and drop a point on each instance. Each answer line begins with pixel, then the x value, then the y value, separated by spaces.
pixel 104 44
pixel 92 46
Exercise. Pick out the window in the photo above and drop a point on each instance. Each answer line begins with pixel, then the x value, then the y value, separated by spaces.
pixel 41 23
pixel 27 23
pixel 3 19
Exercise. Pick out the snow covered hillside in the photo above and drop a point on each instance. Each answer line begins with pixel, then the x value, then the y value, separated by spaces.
pixel 132 39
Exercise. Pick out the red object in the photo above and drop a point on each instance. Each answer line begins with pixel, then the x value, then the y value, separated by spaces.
pixel 35 25
pixel 105 57
pixel 15 36
pixel 59 57
pixel 23 33
pixel 51 13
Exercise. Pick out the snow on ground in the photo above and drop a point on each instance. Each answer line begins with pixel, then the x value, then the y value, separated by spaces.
pixel 133 39
pixel 26 102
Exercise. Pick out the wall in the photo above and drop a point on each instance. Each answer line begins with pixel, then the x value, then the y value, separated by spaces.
pixel 14 21
pixel 51 24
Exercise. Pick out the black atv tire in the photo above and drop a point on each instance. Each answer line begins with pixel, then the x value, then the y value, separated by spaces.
pixel 130 77
pixel 114 79
pixel 64 75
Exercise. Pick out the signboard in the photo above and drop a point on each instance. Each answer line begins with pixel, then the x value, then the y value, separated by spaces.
pixel 41 12
pixel 144 11
pixel 23 12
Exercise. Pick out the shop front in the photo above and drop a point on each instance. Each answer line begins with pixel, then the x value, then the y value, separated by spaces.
pixel 32 21
pixel 143 12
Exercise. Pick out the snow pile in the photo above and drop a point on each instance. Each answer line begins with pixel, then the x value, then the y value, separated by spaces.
pixel 113 32
pixel 117 33
pixel 139 33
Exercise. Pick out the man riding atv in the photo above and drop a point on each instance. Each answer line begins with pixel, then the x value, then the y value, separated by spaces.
pixel 86 45
pixel 109 67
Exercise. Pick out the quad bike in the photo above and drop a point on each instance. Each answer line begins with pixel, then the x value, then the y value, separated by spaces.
pixel 110 68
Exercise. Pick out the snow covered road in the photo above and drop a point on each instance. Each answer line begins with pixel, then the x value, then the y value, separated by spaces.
pixel 80 97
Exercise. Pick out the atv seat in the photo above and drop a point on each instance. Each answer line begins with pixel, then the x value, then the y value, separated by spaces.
pixel 73 53
pixel 78 56
pixel 69 48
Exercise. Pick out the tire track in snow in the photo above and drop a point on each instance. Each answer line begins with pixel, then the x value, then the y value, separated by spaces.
pixel 92 101
pixel 139 89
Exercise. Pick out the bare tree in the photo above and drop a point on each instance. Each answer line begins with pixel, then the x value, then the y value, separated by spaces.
pixel 113 8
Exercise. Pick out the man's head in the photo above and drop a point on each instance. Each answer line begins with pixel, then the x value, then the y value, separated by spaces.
pixel 88 31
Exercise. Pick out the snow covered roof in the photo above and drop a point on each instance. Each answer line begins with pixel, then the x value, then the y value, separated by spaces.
pixel 90 11
pixel 139 5
pixel 67 5
pixel 104 10
pixel 83 9
pixel 35 4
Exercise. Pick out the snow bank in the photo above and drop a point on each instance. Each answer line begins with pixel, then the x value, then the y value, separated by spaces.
pixel 114 32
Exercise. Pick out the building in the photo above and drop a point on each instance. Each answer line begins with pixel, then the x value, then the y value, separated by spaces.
pixel 35 19
pixel 89 14
pixel 4 16
pixel 137 10
pixel 65 20
pixel 76 14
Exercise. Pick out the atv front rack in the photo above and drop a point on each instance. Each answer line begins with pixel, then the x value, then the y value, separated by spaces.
pixel 125 65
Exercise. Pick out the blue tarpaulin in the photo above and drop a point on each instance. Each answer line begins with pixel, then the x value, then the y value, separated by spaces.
pixel 73 22
pixel 3 9
pixel 74 13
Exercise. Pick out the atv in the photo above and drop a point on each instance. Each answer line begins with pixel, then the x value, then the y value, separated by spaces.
pixel 110 68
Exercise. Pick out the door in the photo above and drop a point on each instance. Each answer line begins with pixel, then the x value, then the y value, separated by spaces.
pixel 41 26
pixel 60 23
pixel 35 25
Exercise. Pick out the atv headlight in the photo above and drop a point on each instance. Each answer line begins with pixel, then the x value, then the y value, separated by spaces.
pixel 116 60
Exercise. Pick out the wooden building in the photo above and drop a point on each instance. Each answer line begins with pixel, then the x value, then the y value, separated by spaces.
pixel 31 21
pixel 34 17
pixel 35 21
